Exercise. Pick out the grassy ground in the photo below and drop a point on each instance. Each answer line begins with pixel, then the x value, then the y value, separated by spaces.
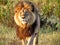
pixel 49 33
pixel 8 37
pixel 52 38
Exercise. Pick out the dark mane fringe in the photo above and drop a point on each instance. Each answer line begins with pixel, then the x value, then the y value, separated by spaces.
pixel 23 33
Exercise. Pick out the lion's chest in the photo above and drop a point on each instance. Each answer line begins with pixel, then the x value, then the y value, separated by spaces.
pixel 23 33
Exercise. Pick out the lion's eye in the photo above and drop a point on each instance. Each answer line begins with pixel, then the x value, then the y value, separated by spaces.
pixel 15 11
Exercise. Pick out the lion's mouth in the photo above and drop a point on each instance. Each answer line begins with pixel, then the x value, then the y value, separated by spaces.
pixel 24 21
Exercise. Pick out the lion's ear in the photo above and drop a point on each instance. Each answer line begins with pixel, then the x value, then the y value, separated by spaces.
pixel 34 6
pixel 37 4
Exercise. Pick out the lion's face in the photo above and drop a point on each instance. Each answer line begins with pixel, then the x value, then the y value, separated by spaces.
pixel 24 16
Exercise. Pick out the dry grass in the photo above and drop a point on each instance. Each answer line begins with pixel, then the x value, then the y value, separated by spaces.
pixel 52 38
pixel 8 37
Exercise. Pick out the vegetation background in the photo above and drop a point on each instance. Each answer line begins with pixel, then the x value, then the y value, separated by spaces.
pixel 49 33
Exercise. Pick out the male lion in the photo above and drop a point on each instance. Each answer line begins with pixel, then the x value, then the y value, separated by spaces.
pixel 27 18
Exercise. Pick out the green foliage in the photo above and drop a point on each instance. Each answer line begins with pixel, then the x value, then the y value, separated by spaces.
pixel 3 2
pixel 6 14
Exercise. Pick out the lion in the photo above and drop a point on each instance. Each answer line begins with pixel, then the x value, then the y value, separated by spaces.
pixel 28 21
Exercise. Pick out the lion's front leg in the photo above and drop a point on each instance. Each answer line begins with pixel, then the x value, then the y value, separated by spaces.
pixel 23 42
pixel 33 40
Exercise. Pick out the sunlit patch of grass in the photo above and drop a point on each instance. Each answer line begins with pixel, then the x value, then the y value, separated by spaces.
pixel 6 32
pixel 51 38
pixel 8 36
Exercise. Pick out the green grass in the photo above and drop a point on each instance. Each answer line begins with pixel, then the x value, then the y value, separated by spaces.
pixel 52 38
pixel 8 36
pixel 6 32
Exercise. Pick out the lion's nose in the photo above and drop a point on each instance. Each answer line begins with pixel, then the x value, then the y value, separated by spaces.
pixel 23 17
